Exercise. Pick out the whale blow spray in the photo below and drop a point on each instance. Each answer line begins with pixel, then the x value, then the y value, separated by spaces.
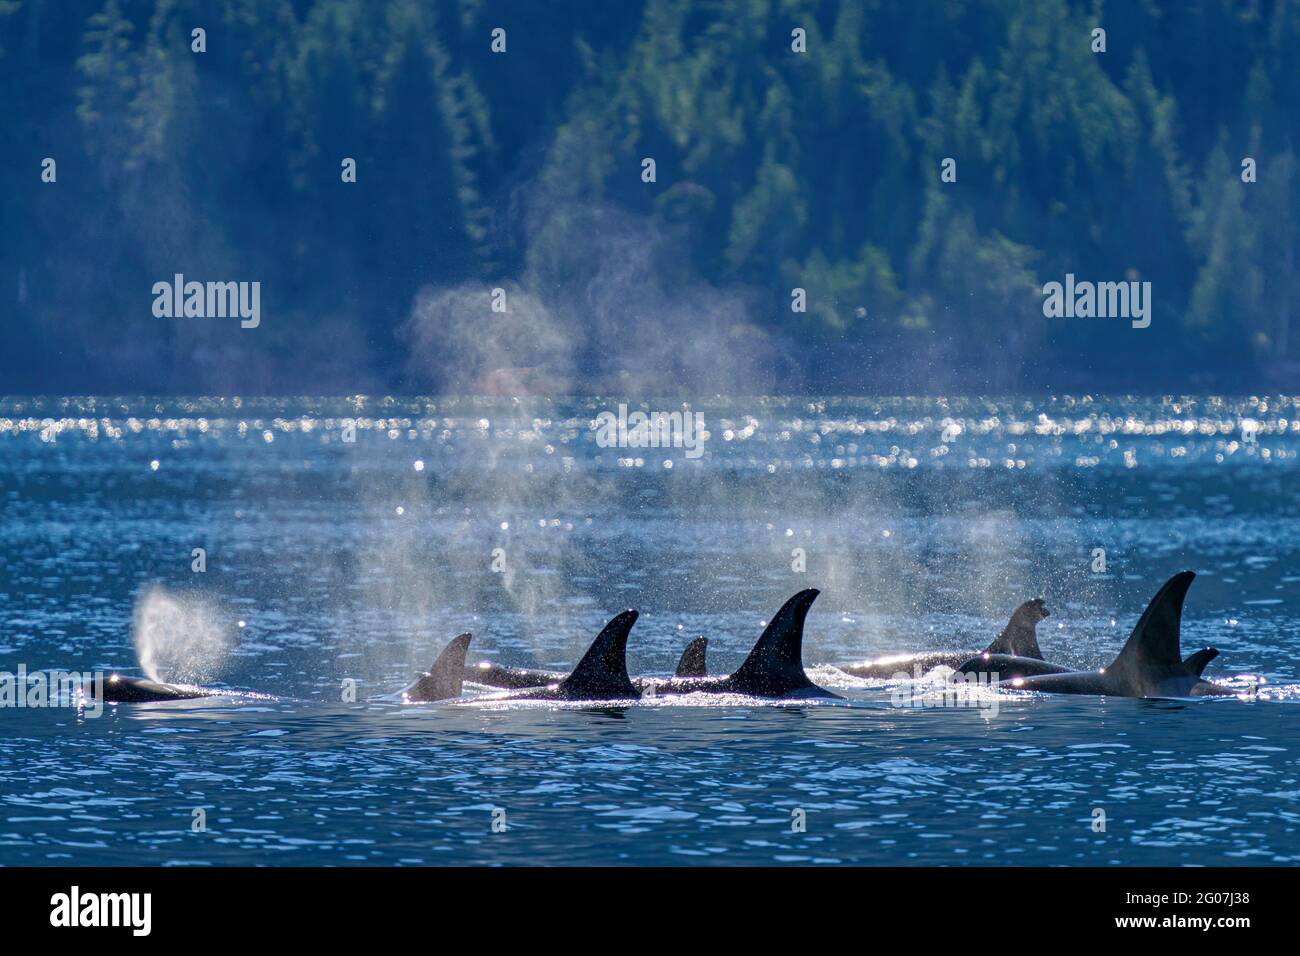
pixel 178 637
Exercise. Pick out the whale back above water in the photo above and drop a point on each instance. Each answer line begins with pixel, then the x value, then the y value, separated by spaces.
pixel 1007 666
pixel 506 677
pixel 445 677
pixel 140 690
pixel 1019 639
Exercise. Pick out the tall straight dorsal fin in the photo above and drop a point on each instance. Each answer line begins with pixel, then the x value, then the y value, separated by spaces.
pixel 693 660
pixel 1154 642
pixel 443 682
pixel 775 665
pixel 1020 637
pixel 602 672
pixel 1196 662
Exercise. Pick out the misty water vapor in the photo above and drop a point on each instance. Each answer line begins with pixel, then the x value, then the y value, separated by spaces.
pixel 604 298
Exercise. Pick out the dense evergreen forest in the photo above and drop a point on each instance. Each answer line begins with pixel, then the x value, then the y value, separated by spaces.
pixel 773 169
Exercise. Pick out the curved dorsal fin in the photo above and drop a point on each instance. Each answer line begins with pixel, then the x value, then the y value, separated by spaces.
pixel 1020 637
pixel 1154 642
pixel 775 665
pixel 443 682
pixel 1196 662
pixel 693 659
pixel 602 672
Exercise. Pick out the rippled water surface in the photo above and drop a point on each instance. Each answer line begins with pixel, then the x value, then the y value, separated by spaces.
pixel 346 540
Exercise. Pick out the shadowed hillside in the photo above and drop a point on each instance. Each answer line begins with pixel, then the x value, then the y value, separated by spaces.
pixel 522 171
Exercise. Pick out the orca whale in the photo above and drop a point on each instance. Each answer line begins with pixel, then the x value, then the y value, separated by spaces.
pixel 600 675
pixel 1018 639
pixel 1196 662
pixel 491 674
pixel 774 668
pixel 1150 663
pixel 140 690
pixel 690 664
pixel 443 682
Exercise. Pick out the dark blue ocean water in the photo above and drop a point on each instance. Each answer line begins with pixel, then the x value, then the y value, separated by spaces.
pixel 924 522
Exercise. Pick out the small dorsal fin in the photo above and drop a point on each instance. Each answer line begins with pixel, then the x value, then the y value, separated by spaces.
pixel 1196 662
pixel 775 665
pixel 1154 642
pixel 693 659
pixel 443 682
pixel 1020 637
pixel 602 672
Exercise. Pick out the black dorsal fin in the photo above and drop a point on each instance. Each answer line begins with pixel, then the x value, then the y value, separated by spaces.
pixel 1020 637
pixel 1154 643
pixel 602 672
pixel 693 660
pixel 775 665
pixel 1196 662
pixel 443 682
